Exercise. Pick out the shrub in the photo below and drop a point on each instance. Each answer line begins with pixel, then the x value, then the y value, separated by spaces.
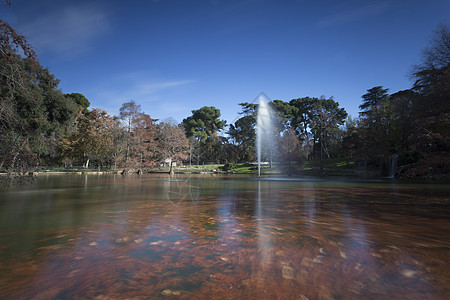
pixel 228 167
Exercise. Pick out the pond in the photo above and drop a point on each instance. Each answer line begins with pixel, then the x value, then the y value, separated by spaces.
pixel 223 237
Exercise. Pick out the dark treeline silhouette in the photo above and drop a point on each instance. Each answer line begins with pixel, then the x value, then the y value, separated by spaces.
pixel 41 126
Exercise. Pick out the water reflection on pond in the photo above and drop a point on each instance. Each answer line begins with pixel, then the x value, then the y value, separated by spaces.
pixel 209 237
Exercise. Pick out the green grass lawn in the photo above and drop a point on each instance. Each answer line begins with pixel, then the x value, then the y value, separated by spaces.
pixel 332 167
pixel 331 163
pixel 240 168
pixel 56 170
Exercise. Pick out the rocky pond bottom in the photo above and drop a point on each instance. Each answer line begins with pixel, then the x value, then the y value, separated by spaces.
pixel 147 237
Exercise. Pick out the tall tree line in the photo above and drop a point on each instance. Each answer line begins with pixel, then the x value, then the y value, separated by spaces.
pixel 305 128
pixel 132 140
pixel 414 124
pixel 40 125
pixel 33 111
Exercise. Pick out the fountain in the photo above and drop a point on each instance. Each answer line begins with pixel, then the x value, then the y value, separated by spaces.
pixel 264 130
pixel 392 165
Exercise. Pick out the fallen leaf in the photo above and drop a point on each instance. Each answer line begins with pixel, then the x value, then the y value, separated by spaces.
pixel 156 243
pixel 287 272
pixel 408 273
pixel 166 292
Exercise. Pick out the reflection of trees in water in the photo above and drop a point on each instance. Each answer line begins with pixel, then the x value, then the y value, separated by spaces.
pixel 180 190
pixel 16 180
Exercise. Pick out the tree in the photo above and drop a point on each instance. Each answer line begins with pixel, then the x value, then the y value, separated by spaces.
pixel 128 113
pixel 33 112
pixel 194 150
pixel 376 113
pixel 119 144
pixel 13 81
pixel 204 125
pixel 374 97
pixel 144 141
pixel 302 117
pixel 290 150
pixel 172 142
pixel 91 138
pixel 386 128
pixel 403 127
pixel 374 125
pixel 81 100
pixel 351 139
pixel 432 107
pixel 285 114
pixel 243 133
pixel 326 117
pixel 437 54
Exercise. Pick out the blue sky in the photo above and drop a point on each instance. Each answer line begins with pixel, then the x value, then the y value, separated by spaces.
pixel 173 56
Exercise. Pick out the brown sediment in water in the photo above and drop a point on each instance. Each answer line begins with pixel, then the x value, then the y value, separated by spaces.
pixel 235 240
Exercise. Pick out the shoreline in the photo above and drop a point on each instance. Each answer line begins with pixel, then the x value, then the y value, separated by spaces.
pixel 442 178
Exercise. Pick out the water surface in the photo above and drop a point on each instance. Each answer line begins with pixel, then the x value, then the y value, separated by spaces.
pixel 216 237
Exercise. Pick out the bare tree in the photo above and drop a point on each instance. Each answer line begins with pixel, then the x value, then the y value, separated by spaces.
pixel 128 113
pixel 437 54
pixel 144 141
pixel 173 143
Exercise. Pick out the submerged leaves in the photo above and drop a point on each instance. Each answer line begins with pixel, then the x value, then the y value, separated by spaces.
pixel 287 251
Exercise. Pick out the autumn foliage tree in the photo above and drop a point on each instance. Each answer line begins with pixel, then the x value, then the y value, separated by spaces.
pixel 138 136
pixel 172 142
pixel 91 138
pixel 143 141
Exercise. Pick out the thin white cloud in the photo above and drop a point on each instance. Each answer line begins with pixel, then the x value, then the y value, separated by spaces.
pixel 176 110
pixel 148 88
pixel 353 14
pixel 67 31
pixel 144 89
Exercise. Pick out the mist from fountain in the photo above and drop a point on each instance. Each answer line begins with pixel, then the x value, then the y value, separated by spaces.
pixel 264 130
pixel 393 160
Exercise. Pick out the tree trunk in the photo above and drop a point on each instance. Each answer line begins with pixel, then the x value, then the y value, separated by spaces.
pixel 321 155
pixel 13 161
pixel 126 153
pixel 87 164
pixel 171 172
pixel 128 142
